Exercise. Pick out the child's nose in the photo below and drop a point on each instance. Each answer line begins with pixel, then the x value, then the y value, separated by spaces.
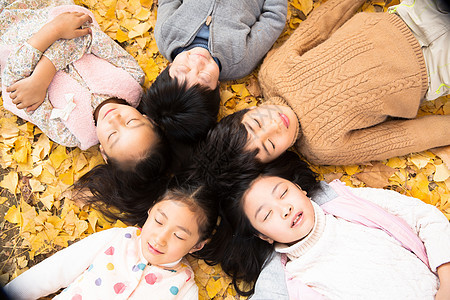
pixel 161 238
pixel 286 211
pixel 116 118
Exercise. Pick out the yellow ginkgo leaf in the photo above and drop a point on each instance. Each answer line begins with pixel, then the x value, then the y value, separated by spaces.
pixel 47 201
pixel 121 36
pixel 36 185
pixel 151 69
pixel 213 287
pixel 142 14
pixel 13 215
pixel 21 155
pixel 442 173
pixel 10 182
pixel 57 156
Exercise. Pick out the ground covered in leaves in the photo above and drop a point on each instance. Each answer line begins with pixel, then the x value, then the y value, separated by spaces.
pixel 38 217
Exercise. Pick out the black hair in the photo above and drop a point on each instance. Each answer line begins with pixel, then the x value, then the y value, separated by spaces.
pixel 184 114
pixel 181 117
pixel 196 196
pixel 236 245
pixel 126 194
pixel 223 151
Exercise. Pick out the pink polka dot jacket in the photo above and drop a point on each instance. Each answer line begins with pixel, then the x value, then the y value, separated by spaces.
pixel 105 265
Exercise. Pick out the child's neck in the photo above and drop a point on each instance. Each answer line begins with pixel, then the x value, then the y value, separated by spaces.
pixel 170 265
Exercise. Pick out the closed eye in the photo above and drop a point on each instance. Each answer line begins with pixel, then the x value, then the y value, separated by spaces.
pixel 178 237
pixel 131 121
pixel 109 136
pixel 158 222
pixel 284 193
pixel 273 145
pixel 257 122
pixel 268 214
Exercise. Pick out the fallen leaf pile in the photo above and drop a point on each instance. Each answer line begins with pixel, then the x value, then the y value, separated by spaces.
pixel 38 217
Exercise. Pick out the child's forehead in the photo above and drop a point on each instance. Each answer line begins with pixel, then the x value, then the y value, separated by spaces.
pixel 175 209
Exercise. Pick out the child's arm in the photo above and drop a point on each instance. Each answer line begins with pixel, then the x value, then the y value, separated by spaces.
pixel 322 22
pixel 104 47
pixel 29 91
pixel 60 269
pixel 265 31
pixel 387 139
pixel 427 221
pixel 271 283
pixel 444 280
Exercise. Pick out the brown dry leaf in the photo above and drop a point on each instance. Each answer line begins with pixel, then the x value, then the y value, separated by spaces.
pixel 376 176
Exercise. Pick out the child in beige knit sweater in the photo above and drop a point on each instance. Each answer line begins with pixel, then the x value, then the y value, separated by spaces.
pixel 346 88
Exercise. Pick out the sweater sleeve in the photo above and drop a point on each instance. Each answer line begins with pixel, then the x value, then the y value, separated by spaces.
pixel 271 283
pixel 320 25
pixel 265 31
pixel 60 269
pixel 382 141
pixel 21 64
pixel 322 22
pixel 166 8
pixel 427 221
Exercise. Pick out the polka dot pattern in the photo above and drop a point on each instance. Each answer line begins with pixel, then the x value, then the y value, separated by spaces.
pixel 98 281
pixel 119 288
pixel 110 266
pixel 173 290
pixel 151 278
pixel 110 251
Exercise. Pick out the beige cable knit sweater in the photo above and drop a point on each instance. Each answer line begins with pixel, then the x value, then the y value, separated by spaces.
pixel 349 78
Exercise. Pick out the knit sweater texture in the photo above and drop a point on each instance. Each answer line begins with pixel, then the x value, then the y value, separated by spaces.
pixel 240 31
pixel 355 82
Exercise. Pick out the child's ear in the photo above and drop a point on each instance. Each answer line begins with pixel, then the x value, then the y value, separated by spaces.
pixel 103 153
pixel 198 246
pixel 303 191
pixel 265 238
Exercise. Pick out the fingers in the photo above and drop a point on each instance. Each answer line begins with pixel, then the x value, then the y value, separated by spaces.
pixel 21 105
pixel 32 107
pixel 14 98
pixel 82 32
pixel 82 18
pixel 11 88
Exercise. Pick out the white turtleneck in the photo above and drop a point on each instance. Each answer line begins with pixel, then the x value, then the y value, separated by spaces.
pixel 344 260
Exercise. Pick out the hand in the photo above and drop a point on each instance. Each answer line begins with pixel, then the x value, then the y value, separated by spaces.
pixel 443 272
pixel 68 25
pixel 443 293
pixel 27 93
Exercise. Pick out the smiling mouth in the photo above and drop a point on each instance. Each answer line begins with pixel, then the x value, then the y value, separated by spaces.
pixel 153 250
pixel 285 120
pixel 297 219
